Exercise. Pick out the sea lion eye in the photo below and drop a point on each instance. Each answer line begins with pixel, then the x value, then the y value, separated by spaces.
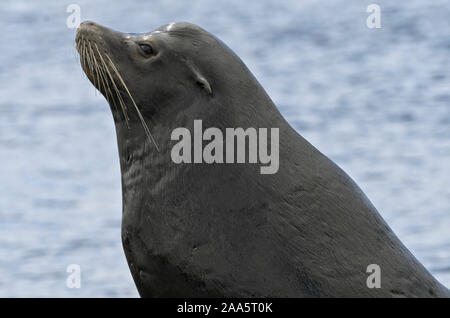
pixel 146 49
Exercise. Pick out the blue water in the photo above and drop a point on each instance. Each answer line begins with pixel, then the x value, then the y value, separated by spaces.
pixel 376 101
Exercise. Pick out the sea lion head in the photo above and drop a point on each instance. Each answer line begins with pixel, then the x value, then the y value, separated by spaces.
pixel 160 74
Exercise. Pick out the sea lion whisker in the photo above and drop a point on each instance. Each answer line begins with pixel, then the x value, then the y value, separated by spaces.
pixel 78 43
pixel 102 80
pixel 75 48
pixel 92 66
pixel 88 59
pixel 81 52
pixel 95 68
pixel 85 56
pixel 108 92
pixel 144 124
pixel 119 97
pixel 121 101
pixel 99 72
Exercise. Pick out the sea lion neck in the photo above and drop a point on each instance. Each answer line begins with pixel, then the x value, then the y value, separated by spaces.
pixel 145 167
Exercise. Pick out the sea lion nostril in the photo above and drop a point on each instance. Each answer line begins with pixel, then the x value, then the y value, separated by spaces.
pixel 87 23
pixel 88 27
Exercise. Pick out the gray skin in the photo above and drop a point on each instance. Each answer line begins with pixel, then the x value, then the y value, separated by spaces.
pixel 225 230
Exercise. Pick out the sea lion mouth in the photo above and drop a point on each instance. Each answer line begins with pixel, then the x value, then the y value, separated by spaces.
pixel 99 67
pixel 103 73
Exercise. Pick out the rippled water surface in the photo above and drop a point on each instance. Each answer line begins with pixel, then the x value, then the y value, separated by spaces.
pixel 376 101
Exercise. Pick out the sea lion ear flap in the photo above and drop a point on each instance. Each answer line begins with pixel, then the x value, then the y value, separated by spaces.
pixel 203 83
pixel 201 80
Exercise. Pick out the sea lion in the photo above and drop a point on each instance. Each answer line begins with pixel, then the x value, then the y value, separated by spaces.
pixel 226 230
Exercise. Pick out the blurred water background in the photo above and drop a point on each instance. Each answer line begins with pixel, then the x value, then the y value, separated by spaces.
pixel 376 101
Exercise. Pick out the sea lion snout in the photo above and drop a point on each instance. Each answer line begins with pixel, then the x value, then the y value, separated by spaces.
pixel 94 32
pixel 87 28
pixel 87 23
pixel 91 26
